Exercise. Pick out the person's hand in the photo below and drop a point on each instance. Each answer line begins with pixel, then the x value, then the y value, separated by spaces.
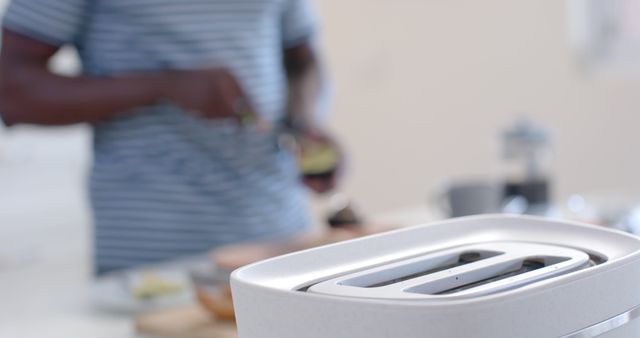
pixel 325 181
pixel 211 94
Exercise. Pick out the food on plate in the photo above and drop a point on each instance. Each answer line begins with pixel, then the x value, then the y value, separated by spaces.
pixel 216 299
pixel 153 286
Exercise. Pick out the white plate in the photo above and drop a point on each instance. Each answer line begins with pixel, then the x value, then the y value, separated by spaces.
pixel 114 292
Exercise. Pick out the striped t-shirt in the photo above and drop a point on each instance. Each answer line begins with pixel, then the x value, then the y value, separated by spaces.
pixel 165 184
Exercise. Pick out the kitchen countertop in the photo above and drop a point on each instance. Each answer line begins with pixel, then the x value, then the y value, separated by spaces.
pixel 46 294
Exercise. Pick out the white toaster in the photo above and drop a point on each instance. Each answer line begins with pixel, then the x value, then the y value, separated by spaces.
pixel 481 277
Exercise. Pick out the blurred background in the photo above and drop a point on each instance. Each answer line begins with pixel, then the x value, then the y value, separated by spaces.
pixel 423 92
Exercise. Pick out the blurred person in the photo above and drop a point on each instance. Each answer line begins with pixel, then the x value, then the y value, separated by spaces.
pixel 165 85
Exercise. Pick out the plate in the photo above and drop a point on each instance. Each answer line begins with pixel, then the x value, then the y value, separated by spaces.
pixel 116 292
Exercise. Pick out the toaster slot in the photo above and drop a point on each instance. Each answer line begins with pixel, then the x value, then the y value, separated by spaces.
pixel 418 269
pixel 459 272
pixel 514 270
pixel 527 266
pixel 596 259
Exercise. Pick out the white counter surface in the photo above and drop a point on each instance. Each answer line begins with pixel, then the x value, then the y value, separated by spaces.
pixel 44 239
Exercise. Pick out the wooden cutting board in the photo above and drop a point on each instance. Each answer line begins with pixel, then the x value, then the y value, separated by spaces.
pixel 185 322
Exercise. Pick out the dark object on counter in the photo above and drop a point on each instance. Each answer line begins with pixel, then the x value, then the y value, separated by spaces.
pixel 535 192
pixel 345 218
pixel 527 159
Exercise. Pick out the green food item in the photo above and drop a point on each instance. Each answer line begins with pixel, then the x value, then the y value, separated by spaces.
pixel 318 158
pixel 152 286
pixel 248 117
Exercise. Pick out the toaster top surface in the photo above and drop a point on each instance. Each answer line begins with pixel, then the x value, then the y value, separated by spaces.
pixel 453 260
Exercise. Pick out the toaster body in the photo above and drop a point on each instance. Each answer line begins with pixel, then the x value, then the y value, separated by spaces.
pixel 484 277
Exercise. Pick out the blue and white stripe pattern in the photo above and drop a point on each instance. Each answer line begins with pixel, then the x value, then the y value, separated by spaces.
pixel 165 184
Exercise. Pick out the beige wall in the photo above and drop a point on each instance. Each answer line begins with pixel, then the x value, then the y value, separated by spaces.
pixel 423 87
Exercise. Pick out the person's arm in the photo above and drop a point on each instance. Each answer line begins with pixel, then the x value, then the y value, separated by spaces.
pixel 30 93
pixel 305 91
pixel 305 86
